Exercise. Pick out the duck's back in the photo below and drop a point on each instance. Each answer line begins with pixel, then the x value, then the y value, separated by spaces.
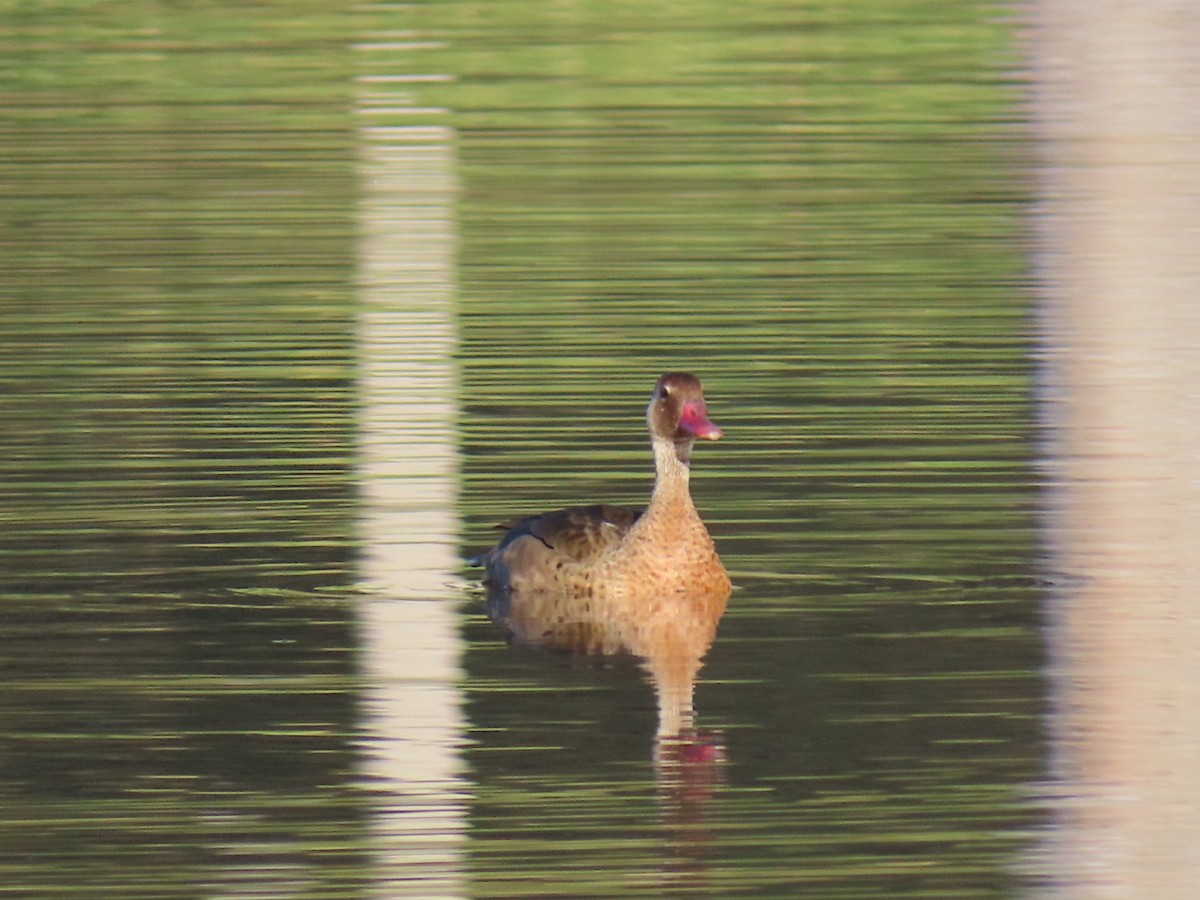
pixel 581 533
pixel 539 552
pixel 539 576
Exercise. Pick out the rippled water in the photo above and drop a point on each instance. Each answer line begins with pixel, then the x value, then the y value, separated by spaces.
pixel 296 308
pixel 858 320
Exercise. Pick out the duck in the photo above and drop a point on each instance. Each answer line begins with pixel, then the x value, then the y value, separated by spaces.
pixel 608 580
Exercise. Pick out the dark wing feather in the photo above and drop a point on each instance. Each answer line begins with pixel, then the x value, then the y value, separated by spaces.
pixel 580 532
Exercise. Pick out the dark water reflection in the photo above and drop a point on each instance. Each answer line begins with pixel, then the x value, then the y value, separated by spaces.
pixel 876 677
pixel 296 307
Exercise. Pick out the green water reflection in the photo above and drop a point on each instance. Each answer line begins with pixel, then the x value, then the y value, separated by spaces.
pixel 815 207
pixel 177 448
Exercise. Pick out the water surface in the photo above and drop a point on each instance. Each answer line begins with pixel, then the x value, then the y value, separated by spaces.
pixel 297 307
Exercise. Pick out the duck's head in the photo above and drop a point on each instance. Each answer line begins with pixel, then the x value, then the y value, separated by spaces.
pixel 677 413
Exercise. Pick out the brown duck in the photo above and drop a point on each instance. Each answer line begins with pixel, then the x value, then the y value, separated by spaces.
pixel 607 579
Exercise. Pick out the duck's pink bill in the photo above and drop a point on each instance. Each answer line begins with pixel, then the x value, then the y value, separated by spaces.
pixel 695 421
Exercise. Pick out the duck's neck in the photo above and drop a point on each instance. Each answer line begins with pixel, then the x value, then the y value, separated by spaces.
pixel 671 495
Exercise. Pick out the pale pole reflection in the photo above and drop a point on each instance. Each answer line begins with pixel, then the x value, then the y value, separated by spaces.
pixel 1117 105
pixel 412 708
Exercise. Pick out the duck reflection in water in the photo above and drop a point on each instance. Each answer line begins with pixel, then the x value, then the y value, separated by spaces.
pixel 607 580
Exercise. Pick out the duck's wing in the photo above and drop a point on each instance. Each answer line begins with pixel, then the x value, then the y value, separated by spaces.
pixel 581 533
pixel 540 570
